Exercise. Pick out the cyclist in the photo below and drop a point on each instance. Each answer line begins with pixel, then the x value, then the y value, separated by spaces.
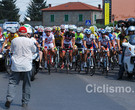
pixel 104 43
pixel 68 41
pixel 9 38
pixel 62 27
pixel 89 40
pixel 58 40
pixel 48 43
pixel 53 30
pixel 78 44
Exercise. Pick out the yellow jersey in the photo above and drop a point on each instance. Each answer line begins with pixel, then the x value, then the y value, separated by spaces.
pixel 10 38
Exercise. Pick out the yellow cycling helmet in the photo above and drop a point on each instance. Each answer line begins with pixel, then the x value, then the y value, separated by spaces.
pixel 57 28
pixel 92 29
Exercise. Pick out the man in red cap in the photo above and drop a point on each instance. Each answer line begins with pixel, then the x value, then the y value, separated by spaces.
pixel 22 49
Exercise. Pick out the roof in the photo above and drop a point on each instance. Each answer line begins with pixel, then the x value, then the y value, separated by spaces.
pixel 72 6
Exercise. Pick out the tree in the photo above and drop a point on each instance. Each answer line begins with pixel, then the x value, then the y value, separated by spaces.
pixel 34 9
pixel 9 10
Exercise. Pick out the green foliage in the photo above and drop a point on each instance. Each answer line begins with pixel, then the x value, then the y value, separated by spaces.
pixel 34 10
pixel 9 10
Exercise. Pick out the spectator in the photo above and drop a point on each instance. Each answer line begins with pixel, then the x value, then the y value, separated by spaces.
pixel 22 49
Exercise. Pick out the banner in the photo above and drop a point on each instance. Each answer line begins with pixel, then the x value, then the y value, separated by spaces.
pixel 107 6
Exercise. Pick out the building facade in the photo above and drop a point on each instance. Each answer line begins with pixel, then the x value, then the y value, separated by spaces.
pixel 71 13
pixel 118 9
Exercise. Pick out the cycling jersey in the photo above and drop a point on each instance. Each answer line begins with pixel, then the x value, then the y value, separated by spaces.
pixel 89 40
pixel 48 41
pixel 117 34
pixel 58 39
pixel 10 38
pixel 104 41
pixel 78 39
pixel 68 38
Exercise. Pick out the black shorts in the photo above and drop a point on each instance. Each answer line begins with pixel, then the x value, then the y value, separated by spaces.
pixel 58 44
pixel 78 45
pixel 89 46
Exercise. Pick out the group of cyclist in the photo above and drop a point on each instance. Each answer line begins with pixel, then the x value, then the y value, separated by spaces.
pixel 88 39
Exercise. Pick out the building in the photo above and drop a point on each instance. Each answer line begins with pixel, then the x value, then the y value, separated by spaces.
pixel 71 13
pixel 118 9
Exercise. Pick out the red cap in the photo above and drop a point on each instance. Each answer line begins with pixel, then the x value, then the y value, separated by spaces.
pixel 23 30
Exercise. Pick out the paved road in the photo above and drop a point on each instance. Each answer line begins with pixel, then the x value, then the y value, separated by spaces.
pixel 61 91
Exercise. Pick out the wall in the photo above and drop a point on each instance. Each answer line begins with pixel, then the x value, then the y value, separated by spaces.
pixel 123 9
pixel 73 17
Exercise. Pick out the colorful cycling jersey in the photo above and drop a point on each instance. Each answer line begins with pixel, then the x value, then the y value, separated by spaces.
pixel 104 41
pixel 89 40
pixel 96 35
pixel 117 34
pixel 68 38
pixel 111 36
pixel 78 39
pixel 58 39
pixel 10 38
pixel 48 40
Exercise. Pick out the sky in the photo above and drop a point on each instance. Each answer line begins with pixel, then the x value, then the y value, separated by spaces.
pixel 22 4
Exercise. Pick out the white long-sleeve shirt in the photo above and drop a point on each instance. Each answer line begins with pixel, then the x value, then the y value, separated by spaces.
pixel 22 49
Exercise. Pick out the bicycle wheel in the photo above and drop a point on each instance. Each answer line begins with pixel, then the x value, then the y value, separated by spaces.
pixel 48 64
pixel 107 65
pixel 92 69
pixel 8 64
pixel 79 64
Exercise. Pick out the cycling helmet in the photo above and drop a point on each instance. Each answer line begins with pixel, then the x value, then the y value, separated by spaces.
pixel 108 29
pixel 62 27
pixel 131 28
pixel 92 29
pixel 131 21
pixel 78 30
pixel 57 28
pixel 103 31
pixel 40 30
pixel 88 31
pixel 13 30
pixel 36 27
pixel 81 28
pixel 47 29
pixel 71 27
pixel 54 27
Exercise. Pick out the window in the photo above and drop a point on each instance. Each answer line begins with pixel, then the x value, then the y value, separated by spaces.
pixel 95 17
pixel 52 18
pixel 80 17
pixel 66 17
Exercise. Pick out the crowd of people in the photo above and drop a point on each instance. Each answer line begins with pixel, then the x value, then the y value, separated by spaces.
pixel 24 41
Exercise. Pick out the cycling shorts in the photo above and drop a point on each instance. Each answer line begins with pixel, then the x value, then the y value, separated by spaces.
pixel 49 46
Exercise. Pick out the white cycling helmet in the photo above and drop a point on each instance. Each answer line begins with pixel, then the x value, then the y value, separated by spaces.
pixel 48 29
pixel 78 30
pixel 62 27
pixel 71 27
pixel 108 29
pixel 131 28
pixel 36 27
pixel 13 30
